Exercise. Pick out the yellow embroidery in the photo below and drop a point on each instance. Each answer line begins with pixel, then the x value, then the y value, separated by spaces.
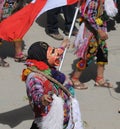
pixel 99 21
pixel 25 74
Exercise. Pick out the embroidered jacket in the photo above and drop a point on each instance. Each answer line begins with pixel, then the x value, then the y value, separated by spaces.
pixel 94 10
pixel 37 85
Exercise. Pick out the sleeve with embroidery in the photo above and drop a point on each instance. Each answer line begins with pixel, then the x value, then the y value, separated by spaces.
pixel 92 13
pixel 35 90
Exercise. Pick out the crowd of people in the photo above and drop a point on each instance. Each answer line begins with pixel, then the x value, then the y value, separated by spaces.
pixel 50 90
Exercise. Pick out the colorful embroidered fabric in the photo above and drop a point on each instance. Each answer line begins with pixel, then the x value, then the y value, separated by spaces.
pixel 9 5
pixel 96 19
pixel 37 85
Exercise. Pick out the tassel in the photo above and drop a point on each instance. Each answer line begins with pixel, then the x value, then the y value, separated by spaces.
pixel 55 117
pixel 79 38
pixel 75 121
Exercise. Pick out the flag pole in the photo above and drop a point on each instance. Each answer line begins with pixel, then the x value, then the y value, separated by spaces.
pixel 70 32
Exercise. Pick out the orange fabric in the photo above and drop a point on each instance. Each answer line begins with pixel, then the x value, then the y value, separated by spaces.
pixel 69 2
pixel 16 25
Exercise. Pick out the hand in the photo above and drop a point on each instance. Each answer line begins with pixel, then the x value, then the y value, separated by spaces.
pixel 65 43
pixel 103 35
pixel 46 100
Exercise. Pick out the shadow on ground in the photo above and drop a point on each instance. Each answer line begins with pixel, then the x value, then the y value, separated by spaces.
pixel 16 116
pixel 88 74
pixel 117 89
pixel 7 49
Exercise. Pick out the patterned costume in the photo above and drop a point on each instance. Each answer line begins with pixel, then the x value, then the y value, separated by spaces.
pixel 40 77
pixel 93 18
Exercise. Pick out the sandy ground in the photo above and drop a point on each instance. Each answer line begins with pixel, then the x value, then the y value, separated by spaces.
pixel 99 106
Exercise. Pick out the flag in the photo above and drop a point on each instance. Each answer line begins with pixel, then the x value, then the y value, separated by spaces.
pixel 15 26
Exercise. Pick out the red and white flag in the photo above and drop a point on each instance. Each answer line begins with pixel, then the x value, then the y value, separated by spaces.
pixel 15 26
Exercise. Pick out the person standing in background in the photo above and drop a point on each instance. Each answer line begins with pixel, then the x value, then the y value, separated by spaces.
pixel 52 21
pixel 10 7
pixel 93 22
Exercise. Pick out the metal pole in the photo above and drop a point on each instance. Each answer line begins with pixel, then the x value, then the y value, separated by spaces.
pixel 70 33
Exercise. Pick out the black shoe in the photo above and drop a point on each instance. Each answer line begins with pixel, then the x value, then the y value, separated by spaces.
pixel 3 63
pixel 56 36
pixel 74 32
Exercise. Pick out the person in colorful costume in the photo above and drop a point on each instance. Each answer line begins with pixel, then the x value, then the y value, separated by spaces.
pixel 51 94
pixel 91 40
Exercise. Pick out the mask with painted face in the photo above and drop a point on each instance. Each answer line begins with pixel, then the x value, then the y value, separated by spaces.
pixel 54 56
